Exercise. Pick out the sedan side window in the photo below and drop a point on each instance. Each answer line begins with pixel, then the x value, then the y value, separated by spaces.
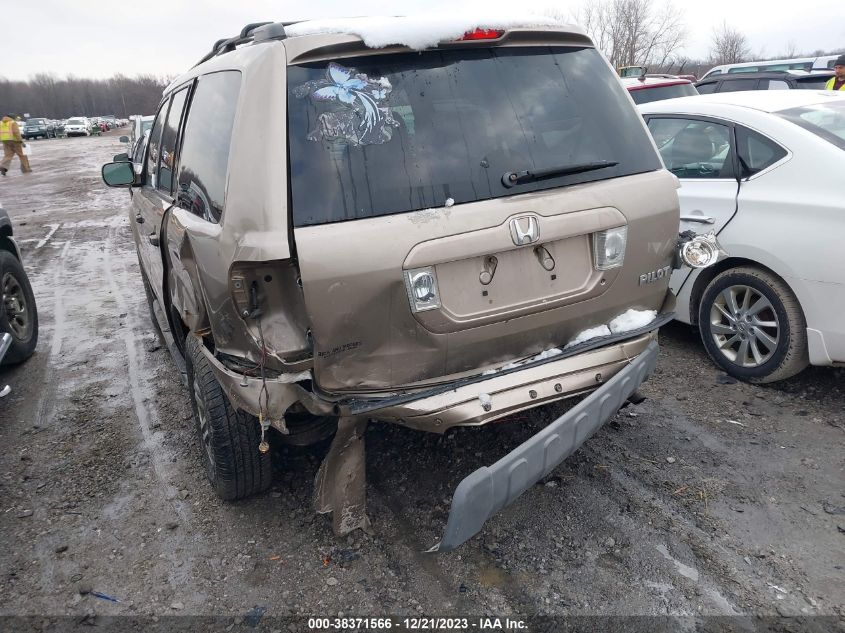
pixel 706 89
pixel 756 151
pixel 693 148
pixel 737 85
pixel 204 157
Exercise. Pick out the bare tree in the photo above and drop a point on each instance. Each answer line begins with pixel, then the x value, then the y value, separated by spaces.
pixel 48 96
pixel 634 32
pixel 791 50
pixel 728 46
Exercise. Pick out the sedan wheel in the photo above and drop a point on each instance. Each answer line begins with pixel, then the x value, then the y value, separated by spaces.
pixel 744 326
pixel 752 325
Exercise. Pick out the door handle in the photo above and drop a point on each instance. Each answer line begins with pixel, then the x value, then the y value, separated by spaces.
pixel 703 219
pixel 139 219
pixel 153 239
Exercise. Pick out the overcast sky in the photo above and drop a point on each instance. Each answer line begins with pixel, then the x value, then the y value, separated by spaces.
pixel 94 38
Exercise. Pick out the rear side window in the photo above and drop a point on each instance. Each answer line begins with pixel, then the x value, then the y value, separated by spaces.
pixel 168 141
pixel 813 83
pixel 659 93
pixel 756 151
pixel 204 156
pixel 706 89
pixel 736 85
pixel 387 134
pixel 774 84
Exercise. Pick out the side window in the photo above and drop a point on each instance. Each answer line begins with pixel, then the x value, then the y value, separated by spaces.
pixel 756 151
pixel 774 84
pixel 155 138
pixel 168 141
pixel 736 85
pixel 706 89
pixel 694 148
pixel 204 156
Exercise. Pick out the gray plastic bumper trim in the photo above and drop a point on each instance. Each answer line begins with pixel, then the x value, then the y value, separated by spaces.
pixel 490 488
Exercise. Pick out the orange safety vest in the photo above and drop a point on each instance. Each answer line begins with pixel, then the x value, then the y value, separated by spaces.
pixel 829 85
pixel 7 132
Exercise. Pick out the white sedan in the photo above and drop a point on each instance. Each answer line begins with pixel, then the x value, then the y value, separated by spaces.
pixel 764 170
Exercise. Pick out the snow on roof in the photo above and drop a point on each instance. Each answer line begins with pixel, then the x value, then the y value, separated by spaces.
pixel 418 32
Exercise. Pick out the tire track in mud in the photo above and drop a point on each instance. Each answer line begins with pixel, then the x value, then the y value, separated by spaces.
pixel 160 456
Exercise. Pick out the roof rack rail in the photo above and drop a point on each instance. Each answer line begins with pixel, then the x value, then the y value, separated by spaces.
pixel 226 45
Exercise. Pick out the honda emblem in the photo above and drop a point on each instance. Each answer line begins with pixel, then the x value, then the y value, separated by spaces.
pixel 525 229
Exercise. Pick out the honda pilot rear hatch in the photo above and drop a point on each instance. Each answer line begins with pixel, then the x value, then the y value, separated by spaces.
pixel 462 207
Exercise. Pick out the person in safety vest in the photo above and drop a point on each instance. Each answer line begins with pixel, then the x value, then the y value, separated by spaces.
pixel 10 135
pixel 837 82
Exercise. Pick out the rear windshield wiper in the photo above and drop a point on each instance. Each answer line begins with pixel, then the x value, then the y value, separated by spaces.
pixel 513 178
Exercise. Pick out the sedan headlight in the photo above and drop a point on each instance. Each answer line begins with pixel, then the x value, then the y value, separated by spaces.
pixel 609 248
pixel 421 284
pixel 700 251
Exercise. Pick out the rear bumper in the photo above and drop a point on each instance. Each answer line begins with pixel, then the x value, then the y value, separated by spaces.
pixel 504 394
pixel 489 489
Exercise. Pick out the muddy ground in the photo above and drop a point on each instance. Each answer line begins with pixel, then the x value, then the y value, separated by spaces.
pixel 711 497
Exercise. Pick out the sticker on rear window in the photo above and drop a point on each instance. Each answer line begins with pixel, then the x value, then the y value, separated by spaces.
pixel 357 107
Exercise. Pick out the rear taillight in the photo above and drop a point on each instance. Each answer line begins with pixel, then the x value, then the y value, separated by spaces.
pixel 482 34
pixel 609 248
pixel 421 284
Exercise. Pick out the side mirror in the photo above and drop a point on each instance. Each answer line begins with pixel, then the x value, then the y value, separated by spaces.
pixel 123 139
pixel 119 174
pixel 121 158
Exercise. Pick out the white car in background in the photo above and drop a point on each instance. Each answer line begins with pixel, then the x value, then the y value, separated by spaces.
pixel 78 126
pixel 765 171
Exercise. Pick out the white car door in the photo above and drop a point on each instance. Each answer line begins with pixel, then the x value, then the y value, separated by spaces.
pixel 701 153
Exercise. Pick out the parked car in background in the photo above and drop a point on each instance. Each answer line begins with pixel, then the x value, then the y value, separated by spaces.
pixel 59 128
pixel 806 64
pixel 776 80
pixel 38 128
pixel 78 126
pixel 658 87
pixel 140 125
pixel 526 230
pixel 18 312
pixel 765 171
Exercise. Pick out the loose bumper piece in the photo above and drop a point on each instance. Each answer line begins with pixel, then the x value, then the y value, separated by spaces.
pixel 489 489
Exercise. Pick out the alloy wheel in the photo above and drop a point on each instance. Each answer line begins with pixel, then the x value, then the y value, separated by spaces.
pixel 14 302
pixel 744 325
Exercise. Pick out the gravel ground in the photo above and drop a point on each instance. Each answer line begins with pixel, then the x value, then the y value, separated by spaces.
pixel 712 497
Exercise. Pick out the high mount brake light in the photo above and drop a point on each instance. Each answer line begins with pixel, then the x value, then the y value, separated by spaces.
pixel 482 34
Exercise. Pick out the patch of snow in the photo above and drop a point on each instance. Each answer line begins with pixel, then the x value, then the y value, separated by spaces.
pixel 549 353
pixel 632 320
pixel 419 32
pixel 450 202
pixel 485 400
pixel 588 335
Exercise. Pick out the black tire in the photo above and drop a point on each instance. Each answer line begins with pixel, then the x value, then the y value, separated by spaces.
pixel 229 439
pixel 752 325
pixel 18 312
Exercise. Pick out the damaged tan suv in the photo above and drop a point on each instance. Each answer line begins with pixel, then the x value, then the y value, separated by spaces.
pixel 333 228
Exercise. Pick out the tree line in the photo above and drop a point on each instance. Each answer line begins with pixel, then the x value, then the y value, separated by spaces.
pixel 653 33
pixel 45 95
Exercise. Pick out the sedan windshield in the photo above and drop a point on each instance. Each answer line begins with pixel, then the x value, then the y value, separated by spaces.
pixel 826 120
pixel 76 122
pixel 36 121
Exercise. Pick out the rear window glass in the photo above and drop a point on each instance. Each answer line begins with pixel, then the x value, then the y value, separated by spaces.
pixel 826 120
pixel 659 93
pixel 813 83
pixel 387 134
pixel 738 85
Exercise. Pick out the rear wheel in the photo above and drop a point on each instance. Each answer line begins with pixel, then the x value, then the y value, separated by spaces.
pixel 18 314
pixel 752 325
pixel 229 439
